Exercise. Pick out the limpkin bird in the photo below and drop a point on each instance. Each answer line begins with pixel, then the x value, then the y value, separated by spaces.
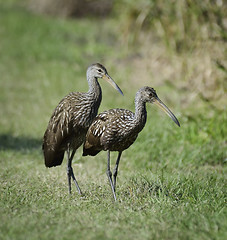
pixel 71 119
pixel 117 129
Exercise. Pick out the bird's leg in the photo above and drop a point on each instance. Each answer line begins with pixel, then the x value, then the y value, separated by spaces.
pixel 70 172
pixel 116 170
pixel 109 175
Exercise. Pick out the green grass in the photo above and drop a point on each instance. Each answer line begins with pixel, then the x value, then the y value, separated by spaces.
pixel 171 182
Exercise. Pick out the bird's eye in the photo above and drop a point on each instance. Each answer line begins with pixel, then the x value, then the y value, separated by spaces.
pixel 99 70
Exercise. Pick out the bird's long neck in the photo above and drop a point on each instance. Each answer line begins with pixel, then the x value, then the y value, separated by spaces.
pixel 140 113
pixel 94 92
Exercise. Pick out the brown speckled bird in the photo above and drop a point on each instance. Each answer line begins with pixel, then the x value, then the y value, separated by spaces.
pixel 71 119
pixel 117 129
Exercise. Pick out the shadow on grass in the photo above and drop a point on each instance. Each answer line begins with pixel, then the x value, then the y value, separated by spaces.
pixel 23 143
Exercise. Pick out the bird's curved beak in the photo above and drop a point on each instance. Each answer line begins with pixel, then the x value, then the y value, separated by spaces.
pixel 112 83
pixel 161 105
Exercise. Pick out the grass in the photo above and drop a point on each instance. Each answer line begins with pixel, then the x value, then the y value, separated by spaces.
pixel 172 181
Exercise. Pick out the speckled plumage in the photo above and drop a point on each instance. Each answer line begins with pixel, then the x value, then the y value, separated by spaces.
pixel 72 117
pixel 111 130
pixel 68 125
pixel 117 129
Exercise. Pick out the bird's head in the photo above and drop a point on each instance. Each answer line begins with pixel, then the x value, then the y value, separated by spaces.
pixel 148 94
pixel 97 70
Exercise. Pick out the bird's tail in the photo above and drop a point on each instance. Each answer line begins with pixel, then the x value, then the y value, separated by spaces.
pixel 52 158
pixel 90 151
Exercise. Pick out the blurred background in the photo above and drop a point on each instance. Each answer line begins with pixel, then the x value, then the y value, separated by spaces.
pixel 180 44
pixel 174 45
pixel 177 43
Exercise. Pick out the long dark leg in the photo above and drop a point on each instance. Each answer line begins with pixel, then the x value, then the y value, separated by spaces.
pixel 70 172
pixel 109 175
pixel 115 171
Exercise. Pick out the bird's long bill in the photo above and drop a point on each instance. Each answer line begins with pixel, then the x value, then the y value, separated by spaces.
pixel 112 83
pixel 161 105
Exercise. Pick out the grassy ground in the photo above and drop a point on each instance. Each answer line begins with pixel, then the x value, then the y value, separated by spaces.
pixel 172 181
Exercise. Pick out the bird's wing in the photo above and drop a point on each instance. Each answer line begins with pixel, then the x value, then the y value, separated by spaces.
pixel 106 127
pixel 60 129
pixel 57 132
pixel 95 131
pixel 118 127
